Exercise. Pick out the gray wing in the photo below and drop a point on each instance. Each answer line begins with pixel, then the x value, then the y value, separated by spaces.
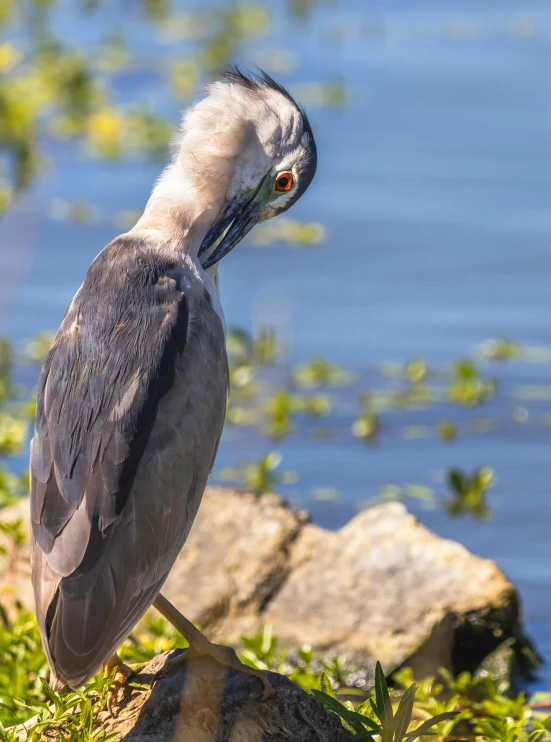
pixel 112 363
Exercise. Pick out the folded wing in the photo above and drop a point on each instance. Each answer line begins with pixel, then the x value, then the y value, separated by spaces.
pixel 113 360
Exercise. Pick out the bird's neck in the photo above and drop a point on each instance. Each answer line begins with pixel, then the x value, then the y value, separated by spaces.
pixel 180 210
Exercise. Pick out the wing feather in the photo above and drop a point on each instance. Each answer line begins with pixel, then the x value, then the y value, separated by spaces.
pixel 112 361
pixel 97 396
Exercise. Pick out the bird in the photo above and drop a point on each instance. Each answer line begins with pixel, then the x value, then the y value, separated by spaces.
pixel 132 393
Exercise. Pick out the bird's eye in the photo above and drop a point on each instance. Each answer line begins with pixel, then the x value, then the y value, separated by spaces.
pixel 284 182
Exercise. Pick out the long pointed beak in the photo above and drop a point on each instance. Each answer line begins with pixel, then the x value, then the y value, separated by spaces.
pixel 236 221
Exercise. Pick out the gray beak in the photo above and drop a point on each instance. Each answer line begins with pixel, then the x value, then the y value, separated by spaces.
pixel 236 221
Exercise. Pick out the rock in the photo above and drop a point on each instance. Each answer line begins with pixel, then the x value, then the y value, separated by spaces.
pixel 199 702
pixel 237 557
pixel 383 587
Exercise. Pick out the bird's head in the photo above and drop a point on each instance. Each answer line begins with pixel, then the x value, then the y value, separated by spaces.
pixel 254 155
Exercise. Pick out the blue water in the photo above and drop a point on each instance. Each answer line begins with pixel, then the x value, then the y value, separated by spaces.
pixel 433 184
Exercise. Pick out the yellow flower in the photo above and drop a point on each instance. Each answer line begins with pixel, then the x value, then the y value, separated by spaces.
pixel 9 57
pixel 106 124
pixel 105 130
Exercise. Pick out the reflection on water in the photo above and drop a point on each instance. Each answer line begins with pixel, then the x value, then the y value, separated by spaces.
pixel 432 191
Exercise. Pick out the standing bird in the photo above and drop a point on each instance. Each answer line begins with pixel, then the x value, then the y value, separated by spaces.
pixel 132 395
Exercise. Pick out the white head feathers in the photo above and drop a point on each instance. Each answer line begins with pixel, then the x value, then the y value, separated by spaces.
pixel 245 129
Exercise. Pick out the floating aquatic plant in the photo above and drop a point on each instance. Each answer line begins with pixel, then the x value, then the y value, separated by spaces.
pixel 467 387
pixel 469 492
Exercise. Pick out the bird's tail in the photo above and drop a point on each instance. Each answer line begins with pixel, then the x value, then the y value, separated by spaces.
pixel 84 621
pixel 55 682
pixel 46 587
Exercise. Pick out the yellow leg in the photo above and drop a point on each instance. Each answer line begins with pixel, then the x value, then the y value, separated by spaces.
pixel 200 646
pixel 121 676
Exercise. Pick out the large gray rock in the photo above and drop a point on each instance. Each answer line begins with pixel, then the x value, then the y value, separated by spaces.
pixel 383 587
pixel 200 702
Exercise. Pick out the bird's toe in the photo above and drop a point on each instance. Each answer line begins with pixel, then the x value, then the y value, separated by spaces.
pixel 115 693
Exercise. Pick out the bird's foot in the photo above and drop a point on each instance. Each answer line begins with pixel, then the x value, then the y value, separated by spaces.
pixel 200 646
pixel 224 656
pixel 119 681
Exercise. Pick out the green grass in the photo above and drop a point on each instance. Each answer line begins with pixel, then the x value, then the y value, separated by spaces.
pixel 448 708
pixel 453 708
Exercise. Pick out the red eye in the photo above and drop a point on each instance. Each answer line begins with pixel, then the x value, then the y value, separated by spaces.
pixel 284 182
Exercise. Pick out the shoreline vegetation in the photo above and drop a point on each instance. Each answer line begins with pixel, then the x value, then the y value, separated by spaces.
pixel 481 706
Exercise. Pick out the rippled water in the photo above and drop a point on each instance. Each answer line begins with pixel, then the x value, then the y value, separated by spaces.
pixel 433 185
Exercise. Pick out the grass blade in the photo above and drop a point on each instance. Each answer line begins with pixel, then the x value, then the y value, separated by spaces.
pixel 364 707
pixel 426 725
pixel 384 706
pixel 325 685
pixel 357 721
pixel 367 736
pixel 403 714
